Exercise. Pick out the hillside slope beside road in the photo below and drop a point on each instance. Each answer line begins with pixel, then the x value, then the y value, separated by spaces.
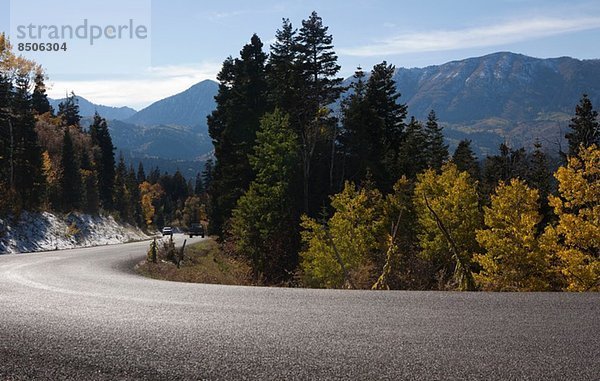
pixel 84 314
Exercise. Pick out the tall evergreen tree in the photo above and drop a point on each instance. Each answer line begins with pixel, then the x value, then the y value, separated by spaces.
pixel 437 150
pixel 207 173
pixel 122 197
pixel 282 70
pixel 6 139
pixel 241 101
pixel 70 181
pixel 198 186
pixel 508 164
pixel 28 180
pixel 388 127
pixel 104 160
pixel 91 198
pixel 141 174
pixel 412 158
pixel 39 98
pixel 539 176
pixel 585 129
pixel 265 221
pixel 318 87
pixel 179 189
pixel 154 176
pixel 68 110
pixel 465 159
pixel 361 150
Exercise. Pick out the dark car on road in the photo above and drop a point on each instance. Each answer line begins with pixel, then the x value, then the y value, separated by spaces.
pixel 196 229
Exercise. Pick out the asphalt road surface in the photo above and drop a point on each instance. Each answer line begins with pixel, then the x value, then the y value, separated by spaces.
pixel 84 315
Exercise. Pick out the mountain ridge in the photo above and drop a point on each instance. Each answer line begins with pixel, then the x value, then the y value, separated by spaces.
pixel 87 109
pixel 187 108
pixel 495 98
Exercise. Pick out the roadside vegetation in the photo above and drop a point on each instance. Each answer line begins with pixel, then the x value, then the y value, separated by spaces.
pixel 319 184
pixel 203 262
pixel 334 186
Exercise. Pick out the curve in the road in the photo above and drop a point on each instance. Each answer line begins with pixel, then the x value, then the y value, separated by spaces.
pixel 84 314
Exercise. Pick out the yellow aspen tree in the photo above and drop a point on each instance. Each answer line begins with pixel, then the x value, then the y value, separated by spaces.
pixel 149 193
pixel 573 245
pixel 452 195
pixel 513 260
pixel 346 245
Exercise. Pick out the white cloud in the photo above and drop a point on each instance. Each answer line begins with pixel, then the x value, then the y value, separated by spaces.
pixel 491 35
pixel 138 92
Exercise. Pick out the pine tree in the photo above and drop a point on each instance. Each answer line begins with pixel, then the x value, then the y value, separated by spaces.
pixel 437 150
pixel 198 186
pixel 70 182
pixel 264 221
pixel 28 180
pixel 282 71
pixel 90 195
pixel 179 191
pixel 361 150
pixel 154 176
pixel 241 101
pixel 465 160
pixel 412 158
pixel 539 176
pixel 585 127
pixel 104 160
pixel 6 141
pixel 388 126
pixel 207 173
pixel 122 197
pixel 141 174
pixel 318 87
pixel 508 164
pixel 68 111
pixel 39 98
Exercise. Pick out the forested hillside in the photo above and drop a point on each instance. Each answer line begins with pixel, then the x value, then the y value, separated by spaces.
pixel 49 161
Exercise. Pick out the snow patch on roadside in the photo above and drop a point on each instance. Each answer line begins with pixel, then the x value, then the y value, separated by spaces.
pixel 47 231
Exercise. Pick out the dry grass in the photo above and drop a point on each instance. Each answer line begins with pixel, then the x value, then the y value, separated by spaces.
pixel 203 263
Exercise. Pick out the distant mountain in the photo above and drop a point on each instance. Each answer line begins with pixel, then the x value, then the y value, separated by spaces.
pixel 87 109
pixel 188 108
pixel 501 97
pixel 162 141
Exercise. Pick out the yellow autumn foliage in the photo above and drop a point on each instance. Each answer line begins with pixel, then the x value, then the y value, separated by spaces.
pixel 573 245
pixel 149 193
pixel 513 260
pixel 452 194
pixel 355 230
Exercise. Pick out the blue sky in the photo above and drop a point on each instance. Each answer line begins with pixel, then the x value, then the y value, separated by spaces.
pixel 188 40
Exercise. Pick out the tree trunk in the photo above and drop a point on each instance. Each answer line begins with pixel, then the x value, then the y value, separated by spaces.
pixel 339 260
pixel 462 271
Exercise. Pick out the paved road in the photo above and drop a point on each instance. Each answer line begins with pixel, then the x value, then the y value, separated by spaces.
pixel 83 315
